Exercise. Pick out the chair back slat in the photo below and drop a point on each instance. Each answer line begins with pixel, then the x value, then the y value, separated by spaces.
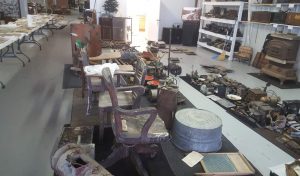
pixel 109 86
pixel 140 72
pixel 86 62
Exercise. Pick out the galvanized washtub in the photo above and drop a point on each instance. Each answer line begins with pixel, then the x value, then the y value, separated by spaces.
pixel 197 130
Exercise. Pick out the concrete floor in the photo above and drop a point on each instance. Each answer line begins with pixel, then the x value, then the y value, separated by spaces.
pixel 34 108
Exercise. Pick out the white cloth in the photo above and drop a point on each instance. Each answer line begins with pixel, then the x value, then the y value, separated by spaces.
pixel 97 69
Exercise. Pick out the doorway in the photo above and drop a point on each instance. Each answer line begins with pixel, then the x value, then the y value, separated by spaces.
pixel 145 20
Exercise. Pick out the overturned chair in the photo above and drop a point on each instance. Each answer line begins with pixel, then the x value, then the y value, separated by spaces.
pixel 137 131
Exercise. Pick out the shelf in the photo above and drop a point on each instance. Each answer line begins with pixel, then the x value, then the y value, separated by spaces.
pixel 279 4
pixel 260 23
pixel 219 20
pixel 212 48
pixel 218 35
pixel 228 3
pixel 284 25
pixel 271 24
pixel 279 60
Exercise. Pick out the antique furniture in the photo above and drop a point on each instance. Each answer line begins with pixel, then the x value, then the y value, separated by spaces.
pixel 113 28
pixel 167 110
pixel 128 96
pixel 106 57
pixel 106 25
pixel 282 55
pixel 244 54
pixel 190 32
pixel 136 131
pixel 197 130
pixel 93 83
pixel 86 33
pixel 176 35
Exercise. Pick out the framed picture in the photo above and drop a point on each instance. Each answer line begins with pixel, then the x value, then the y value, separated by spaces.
pixel 191 14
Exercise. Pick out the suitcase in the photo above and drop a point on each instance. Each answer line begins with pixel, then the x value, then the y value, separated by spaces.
pixel 278 17
pixel 283 1
pixel 266 1
pixel 293 18
pixel 261 16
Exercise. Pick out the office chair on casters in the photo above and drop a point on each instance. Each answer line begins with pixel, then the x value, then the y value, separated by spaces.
pixel 129 95
pixel 137 131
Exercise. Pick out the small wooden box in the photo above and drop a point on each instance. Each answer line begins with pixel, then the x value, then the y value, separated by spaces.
pixel 261 16
pixel 255 95
pixel 293 18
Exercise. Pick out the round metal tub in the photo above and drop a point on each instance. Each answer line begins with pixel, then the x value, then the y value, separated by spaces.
pixel 197 130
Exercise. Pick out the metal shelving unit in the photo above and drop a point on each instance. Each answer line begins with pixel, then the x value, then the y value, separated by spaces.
pixel 235 24
pixel 276 7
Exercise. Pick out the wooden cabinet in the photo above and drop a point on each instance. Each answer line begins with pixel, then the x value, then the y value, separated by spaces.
pixel 106 26
pixel 113 28
pixel 119 30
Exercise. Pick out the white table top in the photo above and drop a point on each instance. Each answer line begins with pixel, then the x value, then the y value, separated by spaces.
pixel 10 40
pixel 39 22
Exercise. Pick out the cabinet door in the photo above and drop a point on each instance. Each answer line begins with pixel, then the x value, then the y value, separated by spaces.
pixel 106 28
pixel 119 29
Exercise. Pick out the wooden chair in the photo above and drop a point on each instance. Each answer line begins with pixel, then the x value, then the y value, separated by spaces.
pixel 138 76
pixel 136 131
pixel 128 96
pixel 93 84
pixel 244 54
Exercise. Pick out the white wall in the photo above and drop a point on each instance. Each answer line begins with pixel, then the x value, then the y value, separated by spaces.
pixel 170 12
pixel 99 9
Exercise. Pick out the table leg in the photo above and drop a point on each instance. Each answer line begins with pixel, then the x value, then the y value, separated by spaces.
pixel 1 59
pixel 12 53
pixel 2 85
pixel 31 39
pixel 40 32
pixel 21 52
pixel 47 27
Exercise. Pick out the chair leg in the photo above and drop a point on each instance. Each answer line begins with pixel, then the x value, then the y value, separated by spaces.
pixel 152 149
pixel 89 102
pixel 101 125
pixel 118 153
pixel 135 158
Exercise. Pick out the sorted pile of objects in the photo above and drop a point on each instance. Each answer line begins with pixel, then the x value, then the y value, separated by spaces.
pixel 225 30
pixel 257 107
pixel 218 12
pixel 217 69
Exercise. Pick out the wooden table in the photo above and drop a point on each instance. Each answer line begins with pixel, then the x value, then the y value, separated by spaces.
pixel 106 56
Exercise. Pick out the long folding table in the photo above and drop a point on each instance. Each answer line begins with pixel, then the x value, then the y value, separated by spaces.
pixel 14 35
